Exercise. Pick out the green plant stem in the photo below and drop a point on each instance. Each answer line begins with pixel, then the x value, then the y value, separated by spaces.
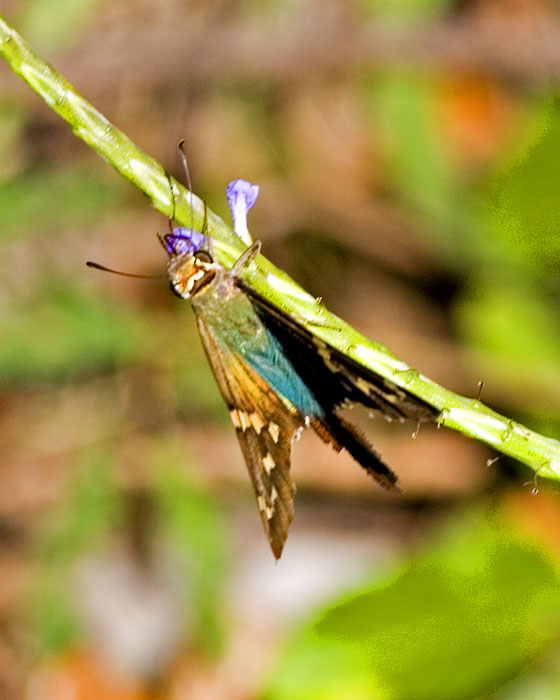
pixel 467 416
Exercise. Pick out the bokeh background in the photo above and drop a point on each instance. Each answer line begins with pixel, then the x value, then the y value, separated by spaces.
pixel 408 155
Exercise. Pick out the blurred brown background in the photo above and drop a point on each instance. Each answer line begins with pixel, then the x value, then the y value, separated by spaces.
pixel 408 155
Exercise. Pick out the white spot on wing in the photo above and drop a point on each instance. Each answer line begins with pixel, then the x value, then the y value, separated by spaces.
pixel 244 420
pixel 325 354
pixel 264 508
pixel 363 386
pixel 268 463
pixel 257 422
pixel 274 431
pixel 234 415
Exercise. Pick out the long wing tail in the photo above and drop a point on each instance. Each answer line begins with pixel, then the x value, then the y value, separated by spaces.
pixel 341 434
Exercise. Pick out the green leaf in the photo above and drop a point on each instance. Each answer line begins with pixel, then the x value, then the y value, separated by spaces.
pixel 456 623
pixel 55 24
pixel 514 322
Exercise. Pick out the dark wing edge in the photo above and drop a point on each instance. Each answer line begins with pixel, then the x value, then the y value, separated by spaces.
pixel 265 427
pixel 340 434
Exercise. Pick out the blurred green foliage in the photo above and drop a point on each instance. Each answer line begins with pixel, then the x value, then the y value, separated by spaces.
pixel 458 621
pixel 404 104
pixel 521 199
pixel 63 333
pixel 187 519
pixel 190 519
pixel 84 524
pixel 513 322
pixel 39 202
pixel 407 10
pixel 496 233
pixel 51 24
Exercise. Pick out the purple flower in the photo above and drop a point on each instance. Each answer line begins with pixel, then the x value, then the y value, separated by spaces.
pixel 241 196
pixel 183 240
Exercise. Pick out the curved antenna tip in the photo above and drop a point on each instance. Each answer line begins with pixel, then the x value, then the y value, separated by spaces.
pixel 103 268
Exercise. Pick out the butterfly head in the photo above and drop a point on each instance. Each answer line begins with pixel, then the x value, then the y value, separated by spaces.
pixel 191 266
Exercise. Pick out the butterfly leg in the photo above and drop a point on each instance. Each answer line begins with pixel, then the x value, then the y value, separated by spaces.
pixel 206 231
pixel 246 257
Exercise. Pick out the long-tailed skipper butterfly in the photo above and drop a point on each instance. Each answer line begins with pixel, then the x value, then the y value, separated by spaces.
pixel 275 375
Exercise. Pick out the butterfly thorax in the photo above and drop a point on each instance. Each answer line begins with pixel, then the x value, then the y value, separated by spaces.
pixel 230 313
pixel 215 296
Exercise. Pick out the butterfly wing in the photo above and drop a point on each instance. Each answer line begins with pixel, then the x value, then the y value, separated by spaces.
pixel 333 377
pixel 265 426
pixel 336 380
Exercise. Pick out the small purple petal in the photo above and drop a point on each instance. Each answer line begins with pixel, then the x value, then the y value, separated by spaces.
pixel 184 240
pixel 241 196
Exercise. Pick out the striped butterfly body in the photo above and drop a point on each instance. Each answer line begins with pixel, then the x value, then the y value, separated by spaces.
pixel 275 375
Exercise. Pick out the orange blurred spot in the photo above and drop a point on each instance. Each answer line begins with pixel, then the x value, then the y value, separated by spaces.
pixel 82 676
pixel 538 516
pixel 477 116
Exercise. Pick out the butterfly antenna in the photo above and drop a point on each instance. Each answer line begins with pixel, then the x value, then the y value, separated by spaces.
pixel 171 218
pixel 209 239
pixel 181 147
pixel 97 266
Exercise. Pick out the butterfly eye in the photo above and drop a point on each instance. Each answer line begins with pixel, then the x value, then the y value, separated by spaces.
pixel 174 290
pixel 203 256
